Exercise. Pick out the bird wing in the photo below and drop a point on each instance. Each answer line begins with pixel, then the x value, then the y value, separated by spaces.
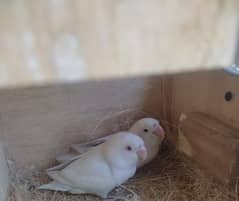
pixel 66 159
pixel 89 172
pixel 64 164
pixel 63 158
pixel 82 148
pixel 79 149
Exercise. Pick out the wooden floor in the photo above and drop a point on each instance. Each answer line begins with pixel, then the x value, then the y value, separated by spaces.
pixel 50 40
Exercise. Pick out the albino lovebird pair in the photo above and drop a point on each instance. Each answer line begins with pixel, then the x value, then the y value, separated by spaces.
pixel 105 163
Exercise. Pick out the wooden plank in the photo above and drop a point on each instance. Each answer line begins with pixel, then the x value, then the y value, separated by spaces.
pixel 204 91
pixel 212 144
pixel 38 123
pixel 46 41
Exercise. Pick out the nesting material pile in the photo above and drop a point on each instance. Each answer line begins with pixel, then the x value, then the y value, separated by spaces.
pixel 170 177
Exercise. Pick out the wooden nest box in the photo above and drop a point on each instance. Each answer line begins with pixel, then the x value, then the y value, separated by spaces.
pixel 199 110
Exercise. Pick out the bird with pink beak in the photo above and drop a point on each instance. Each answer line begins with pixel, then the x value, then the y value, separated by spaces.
pixel 101 169
pixel 148 129
pixel 142 153
pixel 152 133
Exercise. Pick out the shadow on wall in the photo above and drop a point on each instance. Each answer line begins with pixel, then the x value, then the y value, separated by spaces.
pixel 48 119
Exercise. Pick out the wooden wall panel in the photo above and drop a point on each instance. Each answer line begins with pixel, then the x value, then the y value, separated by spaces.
pixel 38 123
pixel 49 40
pixel 209 127
pixel 204 91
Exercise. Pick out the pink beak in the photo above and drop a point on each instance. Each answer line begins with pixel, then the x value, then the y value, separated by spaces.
pixel 159 131
pixel 142 153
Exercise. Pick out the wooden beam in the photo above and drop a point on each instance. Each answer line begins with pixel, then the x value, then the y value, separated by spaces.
pixel 4 180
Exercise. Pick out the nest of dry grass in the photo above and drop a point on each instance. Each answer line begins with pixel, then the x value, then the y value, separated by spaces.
pixel 170 177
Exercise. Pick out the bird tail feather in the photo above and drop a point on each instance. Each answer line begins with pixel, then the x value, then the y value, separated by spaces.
pixel 54 186
pixel 65 158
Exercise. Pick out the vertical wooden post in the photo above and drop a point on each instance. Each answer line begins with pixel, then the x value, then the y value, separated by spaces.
pixel 4 183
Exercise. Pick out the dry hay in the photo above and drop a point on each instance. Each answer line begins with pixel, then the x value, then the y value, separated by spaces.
pixel 170 177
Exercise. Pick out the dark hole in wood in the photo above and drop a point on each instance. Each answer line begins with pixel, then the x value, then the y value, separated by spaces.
pixel 228 96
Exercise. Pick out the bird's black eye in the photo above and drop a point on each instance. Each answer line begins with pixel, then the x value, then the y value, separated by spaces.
pixel 129 148
pixel 146 130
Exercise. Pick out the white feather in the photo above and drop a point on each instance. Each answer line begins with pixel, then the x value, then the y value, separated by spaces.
pixel 152 142
pixel 100 169
pixel 55 186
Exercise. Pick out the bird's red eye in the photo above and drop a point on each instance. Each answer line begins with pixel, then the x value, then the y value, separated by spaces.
pixel 129 148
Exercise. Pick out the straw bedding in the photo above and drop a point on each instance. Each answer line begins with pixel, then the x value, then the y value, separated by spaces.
pixel 170 177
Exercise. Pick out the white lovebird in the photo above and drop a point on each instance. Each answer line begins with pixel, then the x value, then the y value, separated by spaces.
pixel 102 168
pixel 148 129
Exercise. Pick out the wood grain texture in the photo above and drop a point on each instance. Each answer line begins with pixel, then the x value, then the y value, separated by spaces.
pixel 48 40
pixel 204 91
pixel 37 124
pixel 214 145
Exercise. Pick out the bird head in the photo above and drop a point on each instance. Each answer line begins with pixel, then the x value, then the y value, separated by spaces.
pixel 148 129
pixel 125 149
